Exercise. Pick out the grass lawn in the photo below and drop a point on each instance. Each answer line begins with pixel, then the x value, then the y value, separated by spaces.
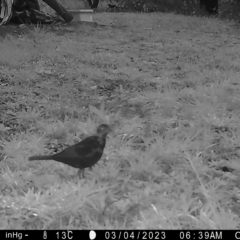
pixel 170 86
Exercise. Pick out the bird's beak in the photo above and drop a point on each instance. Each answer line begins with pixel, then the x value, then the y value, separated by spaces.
pixel 111 128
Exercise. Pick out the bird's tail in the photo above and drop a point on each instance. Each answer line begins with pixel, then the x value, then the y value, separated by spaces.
pixel 48 157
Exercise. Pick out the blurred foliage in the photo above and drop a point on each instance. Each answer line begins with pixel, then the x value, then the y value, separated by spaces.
pixel 227 8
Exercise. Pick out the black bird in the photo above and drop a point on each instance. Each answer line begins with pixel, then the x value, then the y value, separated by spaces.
pixel 83 154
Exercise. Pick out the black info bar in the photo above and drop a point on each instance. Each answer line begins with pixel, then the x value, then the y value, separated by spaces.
pixel 120 234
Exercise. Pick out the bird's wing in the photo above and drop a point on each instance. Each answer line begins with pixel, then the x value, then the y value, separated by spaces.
pixel 83 154
pixel 84 149
pixel 89 146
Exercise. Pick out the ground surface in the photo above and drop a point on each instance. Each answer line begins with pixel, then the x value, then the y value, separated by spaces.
pixel 170 86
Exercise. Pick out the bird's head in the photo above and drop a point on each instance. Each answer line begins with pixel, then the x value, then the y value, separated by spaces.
pixel 103 130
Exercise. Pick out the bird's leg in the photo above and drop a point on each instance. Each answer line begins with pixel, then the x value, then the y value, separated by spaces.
pixel 81 173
